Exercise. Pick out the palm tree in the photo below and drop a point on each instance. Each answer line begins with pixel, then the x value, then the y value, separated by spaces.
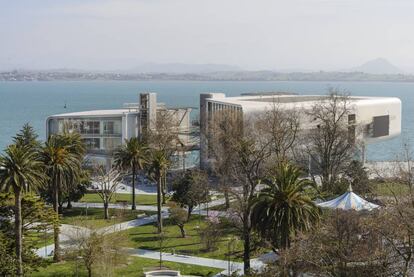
pixel 283 208
pixel 63 166
pixel 133 155
pixel 75 146
pixel 157 170
pixel 19 167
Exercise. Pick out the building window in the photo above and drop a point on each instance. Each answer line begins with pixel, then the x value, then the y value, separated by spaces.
pixel 90 127
pixel 92 143
pixel 111 127
pixel 351 119
pixel 381 126
pixel 68 125
pixel 111 143
pixel 351 128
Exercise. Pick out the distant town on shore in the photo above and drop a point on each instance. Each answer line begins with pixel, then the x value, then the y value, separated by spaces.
pixel 23 75
pixel 375 70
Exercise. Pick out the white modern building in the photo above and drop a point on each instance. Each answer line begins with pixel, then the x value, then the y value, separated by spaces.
pixel 379 118
pixel 103 131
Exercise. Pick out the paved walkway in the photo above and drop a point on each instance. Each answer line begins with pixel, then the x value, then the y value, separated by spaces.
pixel 256 264
pixel 66 235
pixel 150 208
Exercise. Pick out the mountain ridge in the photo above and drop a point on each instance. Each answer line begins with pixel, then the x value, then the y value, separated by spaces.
pixel 377 66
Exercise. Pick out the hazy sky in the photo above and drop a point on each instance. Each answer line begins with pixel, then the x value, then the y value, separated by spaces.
pixel 257 34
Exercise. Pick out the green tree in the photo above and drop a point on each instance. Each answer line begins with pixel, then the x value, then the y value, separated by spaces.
pixel 190 189
pixel 37 220
pixel 19 168
pixel 74 144
pixel 283 208
pixel 7 261
pixel 27 137
pixel 76 190
pixel 63 166
pixel 178 216
pixel 357 175
pixel 157 169
pixel 133 155
pixel 69 193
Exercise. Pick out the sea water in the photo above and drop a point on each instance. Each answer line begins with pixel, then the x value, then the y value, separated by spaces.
pixel 33 102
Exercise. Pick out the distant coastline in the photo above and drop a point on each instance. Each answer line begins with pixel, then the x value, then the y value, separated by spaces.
pixel 22 75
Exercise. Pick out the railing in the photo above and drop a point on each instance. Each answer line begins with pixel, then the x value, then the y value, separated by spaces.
pixel 135 106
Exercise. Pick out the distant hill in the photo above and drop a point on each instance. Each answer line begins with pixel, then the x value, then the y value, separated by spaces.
pixel 181 68
pixel 377 66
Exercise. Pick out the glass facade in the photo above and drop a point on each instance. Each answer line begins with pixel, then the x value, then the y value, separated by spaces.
pixel 92 143
pixel 112 127
pixel 101 135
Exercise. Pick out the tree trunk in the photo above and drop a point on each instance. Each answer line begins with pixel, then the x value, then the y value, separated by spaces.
pixel 406 266
pixel 190 210
pixel 246 250
pixel 164 188
pixel 183 234
pixel 106 211
pixel 60 208
pixel 18 230
pixel 89 272
pixel 226 198
pixel 326 184
pixel 69 205
pixel 159 204
pixel 134 207
pixel 56 252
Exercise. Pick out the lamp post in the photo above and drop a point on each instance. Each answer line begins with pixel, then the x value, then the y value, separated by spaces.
pixel 78 258
pixel 161 241
pixel 228 257
pixel 230 247
pixel 45 242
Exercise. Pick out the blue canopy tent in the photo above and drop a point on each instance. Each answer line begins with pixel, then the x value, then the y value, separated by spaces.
pixel 348 201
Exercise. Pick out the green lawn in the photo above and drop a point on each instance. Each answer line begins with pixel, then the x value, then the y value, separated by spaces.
pixel 140 199
pixel 134 268
pixel 146 237
pixel 387 189
pixel 40 239
pixel 64 269
pixel 94 216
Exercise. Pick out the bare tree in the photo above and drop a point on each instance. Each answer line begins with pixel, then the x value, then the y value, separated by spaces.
pixel 245 155
pixel 165 137
pixel 100 252
pixel 281 128
pixel 225 130
pixel 395 222
pixel 330 142
pixel 345 244
pixel 108 181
